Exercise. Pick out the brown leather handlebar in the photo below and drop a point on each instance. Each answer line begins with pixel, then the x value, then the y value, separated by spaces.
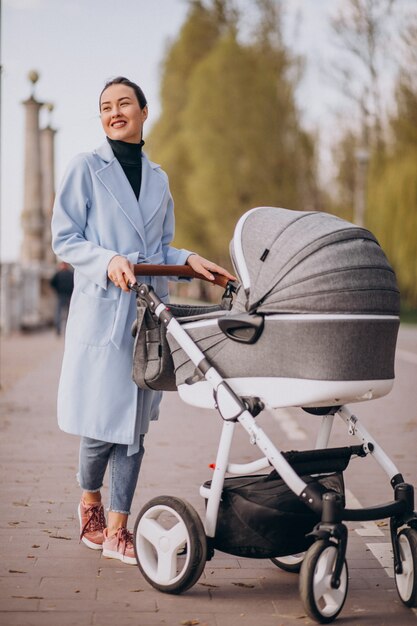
pixel 182 271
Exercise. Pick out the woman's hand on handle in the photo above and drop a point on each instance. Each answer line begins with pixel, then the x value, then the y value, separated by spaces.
pixel 205 267
pixel 120 272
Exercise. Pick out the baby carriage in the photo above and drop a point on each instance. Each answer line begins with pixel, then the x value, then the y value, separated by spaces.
pixel 314 325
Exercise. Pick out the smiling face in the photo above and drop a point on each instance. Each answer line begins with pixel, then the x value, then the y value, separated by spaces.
pixel 121 116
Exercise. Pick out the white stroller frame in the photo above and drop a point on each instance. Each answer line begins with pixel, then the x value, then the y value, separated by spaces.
pixel 330 533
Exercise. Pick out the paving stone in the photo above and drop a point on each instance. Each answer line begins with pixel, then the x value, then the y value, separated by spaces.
pixel 160 618
pixel 43 618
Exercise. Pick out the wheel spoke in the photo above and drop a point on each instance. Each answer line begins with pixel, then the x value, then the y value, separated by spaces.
pixel 323 573
pixel 405 580
pixel 167 566
pixel 333 598
pixel 407 576
pixel 327 599
pixel 177 536
pixel 151 530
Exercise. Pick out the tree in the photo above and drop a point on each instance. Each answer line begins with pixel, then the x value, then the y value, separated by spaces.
pixel 202 28
pixel 238 141
pixel 362 34
pixel 242 141
pixel 393 187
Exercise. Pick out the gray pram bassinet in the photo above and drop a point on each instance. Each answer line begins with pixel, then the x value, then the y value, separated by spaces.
pixel 315 319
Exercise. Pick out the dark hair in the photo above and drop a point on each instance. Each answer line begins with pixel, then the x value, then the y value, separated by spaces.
pixel 121 80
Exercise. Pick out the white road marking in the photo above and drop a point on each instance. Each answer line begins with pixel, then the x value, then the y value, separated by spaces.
pixel 369 529
pixel 383 554
pixel 289 425
pixel 381 551
pixel 405 355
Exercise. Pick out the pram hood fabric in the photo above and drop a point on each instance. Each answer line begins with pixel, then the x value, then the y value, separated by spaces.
pixel 310 262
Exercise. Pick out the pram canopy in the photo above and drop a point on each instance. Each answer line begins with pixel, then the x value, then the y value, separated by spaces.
pixel 310 262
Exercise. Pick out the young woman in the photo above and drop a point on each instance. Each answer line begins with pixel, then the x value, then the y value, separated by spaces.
pixel 113 209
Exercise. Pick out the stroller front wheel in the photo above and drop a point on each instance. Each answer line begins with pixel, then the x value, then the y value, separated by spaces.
pixel 321 601
pixel 170 544
pixel 406 582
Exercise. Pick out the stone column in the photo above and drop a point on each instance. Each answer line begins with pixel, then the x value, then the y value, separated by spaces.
pixel 32 219
pixel 32 214
pixel 48 187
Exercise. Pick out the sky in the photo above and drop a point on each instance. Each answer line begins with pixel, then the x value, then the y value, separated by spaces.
pixel 76 45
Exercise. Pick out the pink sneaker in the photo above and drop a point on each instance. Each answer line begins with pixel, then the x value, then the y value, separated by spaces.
pixel 92 524
pixel 119 546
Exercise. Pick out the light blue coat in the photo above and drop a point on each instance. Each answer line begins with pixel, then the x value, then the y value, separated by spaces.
pixel 97 216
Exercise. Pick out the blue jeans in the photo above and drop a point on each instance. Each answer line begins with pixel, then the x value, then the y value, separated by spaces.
pixel 95 456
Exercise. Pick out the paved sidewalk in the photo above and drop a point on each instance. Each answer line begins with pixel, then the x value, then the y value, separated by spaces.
pixel 47 578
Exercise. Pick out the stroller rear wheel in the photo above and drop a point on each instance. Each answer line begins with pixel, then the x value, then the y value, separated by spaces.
pixel 321 601
pixel 170 544
pixel 406 582
pixel 291 563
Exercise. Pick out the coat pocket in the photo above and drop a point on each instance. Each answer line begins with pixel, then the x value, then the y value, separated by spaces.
pixel 93 319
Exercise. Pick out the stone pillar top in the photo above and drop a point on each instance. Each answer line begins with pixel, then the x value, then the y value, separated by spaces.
pixel 33 77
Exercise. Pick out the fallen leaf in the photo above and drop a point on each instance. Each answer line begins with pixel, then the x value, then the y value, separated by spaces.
pixel 136 590
pixel 208 585
pixel 17 571
pixel 190 622
pixel 35 545
pixel 29 597
pixel 244 585
pixel 20 504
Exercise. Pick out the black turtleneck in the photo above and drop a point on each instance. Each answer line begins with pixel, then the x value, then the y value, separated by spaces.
pixel 129 156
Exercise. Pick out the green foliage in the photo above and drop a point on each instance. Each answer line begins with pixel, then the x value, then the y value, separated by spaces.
pixel 236 135
pixel 391 211
pixel 392 203
pixel 392 217
pixel 229 135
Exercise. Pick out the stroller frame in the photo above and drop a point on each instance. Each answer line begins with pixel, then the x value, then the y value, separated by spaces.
pixel 330 533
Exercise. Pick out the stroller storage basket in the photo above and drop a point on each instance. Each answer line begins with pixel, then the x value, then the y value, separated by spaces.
pixel 260 517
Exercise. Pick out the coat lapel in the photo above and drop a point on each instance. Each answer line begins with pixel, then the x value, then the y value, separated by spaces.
pixel 152 190
pixel 114 180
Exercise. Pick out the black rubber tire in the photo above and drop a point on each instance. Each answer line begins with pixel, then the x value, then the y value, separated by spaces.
pixel 318 562
pixel 406 582
pixel 188 558
pixel 293 567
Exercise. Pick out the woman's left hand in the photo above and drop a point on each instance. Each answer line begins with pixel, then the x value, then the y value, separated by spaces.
pixel 205 267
